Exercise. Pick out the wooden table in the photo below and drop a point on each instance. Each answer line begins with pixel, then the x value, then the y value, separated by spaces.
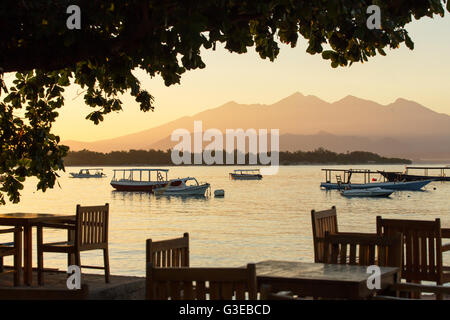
pixel 333 281
pixel 27 221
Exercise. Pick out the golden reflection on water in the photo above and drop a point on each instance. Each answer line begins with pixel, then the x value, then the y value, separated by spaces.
pixel 256 220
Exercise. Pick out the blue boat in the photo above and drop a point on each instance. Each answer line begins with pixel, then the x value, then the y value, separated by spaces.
pixel 344 182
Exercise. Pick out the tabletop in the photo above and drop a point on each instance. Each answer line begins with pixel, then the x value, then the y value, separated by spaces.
pixel 22 218
pixel 335 281
pixel 316 271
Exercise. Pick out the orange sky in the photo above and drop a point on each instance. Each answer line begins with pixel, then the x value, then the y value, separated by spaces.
pixel 421 75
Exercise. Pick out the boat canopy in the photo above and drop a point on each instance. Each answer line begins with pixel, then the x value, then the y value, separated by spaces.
pixel 162 170
pixel 128 174
pixel 425 169
pixel 347 174
pixel 246 170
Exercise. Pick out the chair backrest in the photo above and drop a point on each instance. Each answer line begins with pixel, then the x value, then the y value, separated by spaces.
pixel 363 249
pixel 212 283
pixel 39 293
pixel 92 226
pixel 422 247
pixel 322 221
pixel 168 253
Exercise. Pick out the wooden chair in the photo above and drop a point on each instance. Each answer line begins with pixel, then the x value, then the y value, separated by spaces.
pixel 89 232
pixel 422 249
pixel 267 293
pixel 13 249
pixel 363 249
pixel 322 221
pixel 27 293
pixel 168 253
pixel 405 288
pixel 217 283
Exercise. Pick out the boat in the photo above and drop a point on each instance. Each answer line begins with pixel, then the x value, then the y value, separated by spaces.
pixel 220 193
pixel 370 192
pixel 145 180
pixel 88 173
pixel 369 181
pixel 246 174
pixel 406 176
pixel 182 187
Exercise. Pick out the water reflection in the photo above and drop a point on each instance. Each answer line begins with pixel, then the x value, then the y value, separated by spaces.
pixel 184 197
pixel 255 221
pixel 130 195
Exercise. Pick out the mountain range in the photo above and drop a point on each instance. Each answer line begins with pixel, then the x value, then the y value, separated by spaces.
pixel 401 129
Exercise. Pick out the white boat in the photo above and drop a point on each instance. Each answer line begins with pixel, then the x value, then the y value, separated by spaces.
pixel 246 174
pixel 370 192
pixel 184 186
pixel 88 173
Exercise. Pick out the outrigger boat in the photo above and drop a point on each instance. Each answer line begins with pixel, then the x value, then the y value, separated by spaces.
pixel 370 192
pixel 406 176
pixel 139 179
pixel 182 187
pixel 345 181
pixel 85 173
pixel 246 174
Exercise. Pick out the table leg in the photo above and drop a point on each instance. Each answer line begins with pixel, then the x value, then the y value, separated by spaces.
pixel 27 255
pixel 70 256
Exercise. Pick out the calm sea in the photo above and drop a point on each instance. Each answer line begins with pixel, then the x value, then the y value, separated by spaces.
pixel 256 220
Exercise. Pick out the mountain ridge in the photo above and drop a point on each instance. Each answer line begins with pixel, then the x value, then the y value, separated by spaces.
pixel 302 115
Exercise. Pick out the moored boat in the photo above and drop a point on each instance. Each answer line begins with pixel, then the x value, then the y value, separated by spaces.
pixel 182 187
pixel 436 174
pixel 368 182
pixel 407 185
pixel 145 180
pixel 370 192
pixel 88 173
pixel 246 174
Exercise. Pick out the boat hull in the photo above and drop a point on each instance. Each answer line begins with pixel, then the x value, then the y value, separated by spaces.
pixel 398 176
pixel 371 192
pixel 409 185
pixel 138 186
pixel 186 191
pixel 78 175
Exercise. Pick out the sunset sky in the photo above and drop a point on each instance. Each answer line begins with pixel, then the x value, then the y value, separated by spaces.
pixel 421 75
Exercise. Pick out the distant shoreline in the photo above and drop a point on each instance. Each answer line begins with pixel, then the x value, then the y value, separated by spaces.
pixel 285 158
pixel 228 165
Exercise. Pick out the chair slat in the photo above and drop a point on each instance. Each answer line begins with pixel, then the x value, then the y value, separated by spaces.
pixel 188 291
pixel 200 290
pixel 364 249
